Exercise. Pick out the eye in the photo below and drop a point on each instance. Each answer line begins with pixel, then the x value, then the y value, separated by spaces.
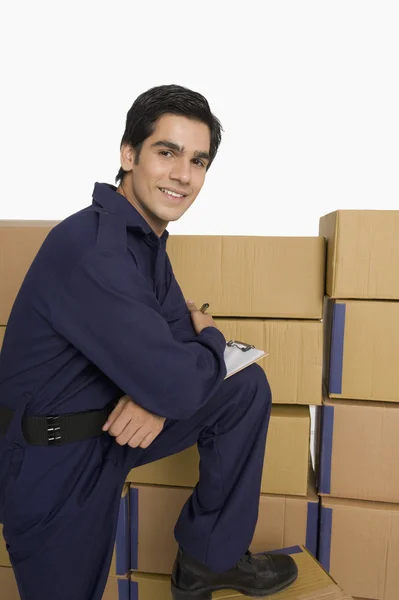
pixel 165 153
pixel 198 162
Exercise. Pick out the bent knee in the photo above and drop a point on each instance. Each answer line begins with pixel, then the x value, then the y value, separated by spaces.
pixel 255 377
pixel 259 375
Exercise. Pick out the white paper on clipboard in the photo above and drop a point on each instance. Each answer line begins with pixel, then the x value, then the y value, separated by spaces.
pixel 236 359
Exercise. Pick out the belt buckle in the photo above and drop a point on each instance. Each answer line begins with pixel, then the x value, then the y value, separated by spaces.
pixel 53 430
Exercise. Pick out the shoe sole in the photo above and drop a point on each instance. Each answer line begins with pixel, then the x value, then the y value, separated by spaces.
pixel 206 594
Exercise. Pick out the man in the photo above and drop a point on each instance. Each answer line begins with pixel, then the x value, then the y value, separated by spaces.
pixel 105 367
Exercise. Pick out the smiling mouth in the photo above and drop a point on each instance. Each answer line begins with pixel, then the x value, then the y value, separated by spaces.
pixel 172 194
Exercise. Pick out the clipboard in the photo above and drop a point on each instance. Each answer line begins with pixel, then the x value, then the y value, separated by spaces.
pixel 239 355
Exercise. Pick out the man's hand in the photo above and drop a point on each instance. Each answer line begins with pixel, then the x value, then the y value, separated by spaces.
pixel 200 320
pixel 131 424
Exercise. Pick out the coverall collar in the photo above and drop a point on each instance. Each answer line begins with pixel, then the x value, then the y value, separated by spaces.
pixel 107 197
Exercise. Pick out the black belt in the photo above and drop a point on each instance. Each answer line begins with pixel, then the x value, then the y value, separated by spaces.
pixel 55 430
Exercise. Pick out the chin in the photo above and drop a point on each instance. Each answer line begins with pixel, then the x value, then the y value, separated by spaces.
pixel 173 220
pixel 170 215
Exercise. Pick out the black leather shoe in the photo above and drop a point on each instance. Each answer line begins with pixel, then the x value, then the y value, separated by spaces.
pixel 253 575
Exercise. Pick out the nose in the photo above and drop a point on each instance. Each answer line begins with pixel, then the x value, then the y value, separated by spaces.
pixel 181 171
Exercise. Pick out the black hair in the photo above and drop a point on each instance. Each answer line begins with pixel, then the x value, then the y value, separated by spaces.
pixel 167 99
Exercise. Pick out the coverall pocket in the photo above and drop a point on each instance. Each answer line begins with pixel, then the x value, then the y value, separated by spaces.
pixel 9 458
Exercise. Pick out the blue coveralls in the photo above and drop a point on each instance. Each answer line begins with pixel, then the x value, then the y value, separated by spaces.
pixel 100 315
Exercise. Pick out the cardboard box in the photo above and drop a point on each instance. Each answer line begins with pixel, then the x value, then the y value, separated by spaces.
pixel 245 276
pixel 154 512
pixel 359 545
pixel 285 278
pixel 282 521
pixel 295 347
pixel 177 470
pixel 4 556
pixel 8 585
pixel 2 332
pixel 19 244
pixel 313 583
pixel 117 588
pixel 286 467
pixel 286 463
pixel 359 455
pixel 285 521
pixel 362 253
pixel 363 350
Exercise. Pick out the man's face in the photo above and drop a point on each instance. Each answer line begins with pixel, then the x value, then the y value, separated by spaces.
pixel 170 171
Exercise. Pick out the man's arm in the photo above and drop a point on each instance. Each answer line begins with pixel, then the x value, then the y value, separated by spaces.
pixel 108 311
pixel 177 314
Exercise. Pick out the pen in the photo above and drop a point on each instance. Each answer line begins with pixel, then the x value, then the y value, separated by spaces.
pixel 204 307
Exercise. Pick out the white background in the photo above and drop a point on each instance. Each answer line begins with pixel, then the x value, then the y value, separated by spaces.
pixel 307 93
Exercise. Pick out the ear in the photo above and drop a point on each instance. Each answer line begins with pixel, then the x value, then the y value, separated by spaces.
pixel 127 157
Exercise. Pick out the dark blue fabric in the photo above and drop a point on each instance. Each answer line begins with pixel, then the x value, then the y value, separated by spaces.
pixel 217 522
pixel 100 315
pixel 70 520
pixel 61 518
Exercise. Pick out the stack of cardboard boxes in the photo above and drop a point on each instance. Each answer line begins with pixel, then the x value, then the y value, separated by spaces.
pixel 267 292
pixel 19 243
pixel 263 291
pixel 359 462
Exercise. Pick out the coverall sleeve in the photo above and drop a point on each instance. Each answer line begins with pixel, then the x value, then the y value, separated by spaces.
pixel 177 313
pixel 109 312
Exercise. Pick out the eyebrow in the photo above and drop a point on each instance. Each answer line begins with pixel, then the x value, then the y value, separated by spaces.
pixel 180 149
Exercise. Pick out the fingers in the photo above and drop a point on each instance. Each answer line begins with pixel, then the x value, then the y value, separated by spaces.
pixel 115 413
pixel 132 435
pixel 191 306
pixel 140 437
pixel 125 413
pixel 147 440
pixel 144 436
pixel 130 424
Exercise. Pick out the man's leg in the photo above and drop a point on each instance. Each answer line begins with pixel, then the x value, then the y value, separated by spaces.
pixel 217 523
pixel 60 523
